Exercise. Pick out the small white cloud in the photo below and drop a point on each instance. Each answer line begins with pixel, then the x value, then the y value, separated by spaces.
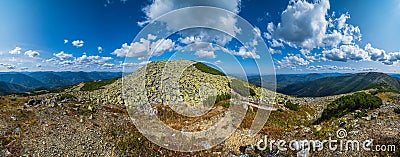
pixel 275 43
pixel 203 53
pixel 151 37
pixel 8 66
pixel 50 60
pixel 66 63
pixel 218 62
pixel 65 41
pixel 84 59
pixel 244 53
pixel 100 49
pixel 292 61
pixel 274 51
pixel 190 40
pixel 32 53
pixel 341 21
pixel 15 51
pixel 143 63
pixel 108 65
pixel 62 55
pixel 78 43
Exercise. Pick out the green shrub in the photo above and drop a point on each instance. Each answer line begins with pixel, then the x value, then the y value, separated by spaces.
pixel 292 106
pixel 67 96
pixel 207 69
pixel 240 88
pixel 397 110
pixel 361 114
pixel 350 103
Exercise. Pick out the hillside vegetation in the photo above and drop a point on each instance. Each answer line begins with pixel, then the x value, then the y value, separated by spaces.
pixel 207 69
pixel 91 86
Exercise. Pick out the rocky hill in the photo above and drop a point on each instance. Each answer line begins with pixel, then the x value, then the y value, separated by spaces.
pixel 342 84
pixel 168 82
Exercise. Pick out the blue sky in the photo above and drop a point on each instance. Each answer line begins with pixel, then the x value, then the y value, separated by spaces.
pixel 302 36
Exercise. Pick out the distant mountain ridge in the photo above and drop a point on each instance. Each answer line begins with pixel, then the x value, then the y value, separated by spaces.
pixel 283 80
pixel 15 82
pixel 341 84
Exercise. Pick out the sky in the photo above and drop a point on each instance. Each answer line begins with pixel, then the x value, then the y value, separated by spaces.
pixel 253 36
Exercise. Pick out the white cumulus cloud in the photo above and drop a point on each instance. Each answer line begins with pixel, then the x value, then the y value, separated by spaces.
pixel 78 43
pixel 303 24
pixel 62 55
pixel 292 61
pixel 32 53
pixel 203 53
pixel 15 51
pixel 215 19
pixel 100 49
pixel 84 59
pixel 145 48
pixel 345 53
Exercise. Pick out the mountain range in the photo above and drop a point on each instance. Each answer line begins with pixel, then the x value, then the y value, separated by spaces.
pixel 341 84
pixel 15 82
pixel 283 80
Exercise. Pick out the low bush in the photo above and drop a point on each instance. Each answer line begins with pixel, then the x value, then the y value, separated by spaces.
pixel 397 110
pixel 292 106
pixel 350 103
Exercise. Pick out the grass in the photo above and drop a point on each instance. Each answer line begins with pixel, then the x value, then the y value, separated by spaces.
pixel 24 119
pixel 130 142
pixel 95 85
pixel 178 121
